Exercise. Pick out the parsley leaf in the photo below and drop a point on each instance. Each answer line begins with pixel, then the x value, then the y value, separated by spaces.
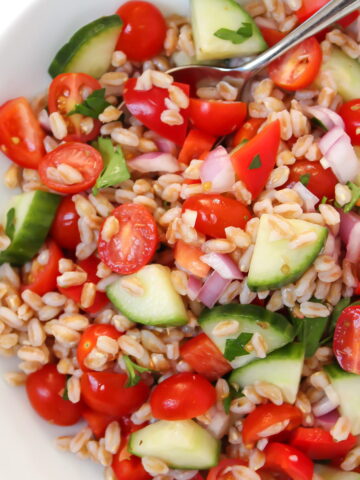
pixel 235 37
pixel 235 347
pixel 305 179
pixel 10 223
pixel 324 200
pixel 115 170
pixel 355 196
pixel 132 368
pixel 255 162
pixel 65 394
pixel 93 105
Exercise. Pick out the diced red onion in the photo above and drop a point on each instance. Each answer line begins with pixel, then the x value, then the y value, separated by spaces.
pixel 218 170
pixel 155 162
pixel 328 420
pixel 327 117
pixel 330 138
pixel 223 265
pixel 194 287
pixel 212 289
pixel 350 235
pixel 44 120
pixel 165 145
pixel 309 199
pixel 323 406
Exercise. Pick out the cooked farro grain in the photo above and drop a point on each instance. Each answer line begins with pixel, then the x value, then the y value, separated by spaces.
pixel 154 466
pixel 80 440
pixel 130 346
pixel 330 214
pixel 107 345
pixel 15 379
pixel 112 437
pixel 71 279
pixel 341 430
pixel 58 125
pixel 171 117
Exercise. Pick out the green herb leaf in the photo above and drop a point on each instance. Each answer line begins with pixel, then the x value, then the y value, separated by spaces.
pixel 246 30
pixel 255 162
pixel 94 104
pixel 115 170
pixel 355 196
pixel 65 394
pixel 317 123
pixel 10 223
pixel 324 200
pixel 309 332
pixel 235 37
pixel 235 347
pixel 132 368
pixel 305 179
pixel 232 394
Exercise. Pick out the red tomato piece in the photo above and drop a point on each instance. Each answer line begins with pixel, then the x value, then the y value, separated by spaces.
pixel 182 396
pixel 254 161
pixel 217 473
pixel 65 228
pixel 44 389
pixel 80 156
pixel 65 92
pixel 350 113
pixel 272 36
pixel 188 258
pixel 98 421
pixel 298 67
pixel 135 243
pixel 309 7
pixel 143 32
pixel 264 416
pixel 42 278
pixel 127 466
pixel 105 392
pixel 288 460
pixel 147 106
pixel 346 343
pixel 196 144
pixel 318 444
pixel 21 135
pixel 216 212
pixel 217 117
pixel 204 357
pixel 320 182
pixel 89 338
pixel 247 131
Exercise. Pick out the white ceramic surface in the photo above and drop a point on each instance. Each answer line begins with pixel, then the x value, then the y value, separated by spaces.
pixel 26 48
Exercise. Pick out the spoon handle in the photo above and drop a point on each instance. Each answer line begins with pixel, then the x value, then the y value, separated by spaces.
pixel 324 17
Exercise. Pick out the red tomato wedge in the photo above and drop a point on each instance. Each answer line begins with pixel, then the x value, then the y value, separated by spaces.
pixel 188 258
pixel 320 182
pixel 254 161
pixel 65 92
pixel 247 131
pixel 98 421
pixel 80 156
pixel 272 36
pixel 127 466
pixel 65 228
pixel 147 106
pixel 196 144
pixel 21 135
pixel 309 7
pixel 217 473
pixel 216 117
pixel 135 243
pixel 350 113
pixel 298 67
pixel 89 339
pixel 346 344
pixel 204 357
pixel 318 444
pixel 289 461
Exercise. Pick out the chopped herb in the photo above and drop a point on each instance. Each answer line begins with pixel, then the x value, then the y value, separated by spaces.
pixel 10 223
pixel 317 123
pixel 246 30
pixel 305 179
pixel 132 368
pixel 65 394
pixel 309 332
pixel 93 105
pixel 235 37
pixel 255 162
pixel 324 200
pixel 355 196
pixel 235 347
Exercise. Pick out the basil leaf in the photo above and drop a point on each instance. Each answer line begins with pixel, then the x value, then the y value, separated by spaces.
pixel 132 368
pixel 10 223
pixel 93 105
pixel 115 170
pixel 255 162
pixel 235 37
pixel 305 179
pixel 355 196
pixel 246 30
pixel 309 332
pixel 235 347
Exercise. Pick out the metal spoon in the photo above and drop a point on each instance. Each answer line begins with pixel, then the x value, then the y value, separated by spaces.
pixel 195 75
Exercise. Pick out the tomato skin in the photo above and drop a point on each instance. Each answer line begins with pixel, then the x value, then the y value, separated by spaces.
pixel 188 257
pixel 318 444
pixel 43 389
pixel 89 338
pixel 182 396
pixel 65 92
pixel 350 113
pixel 321 182
pixel 215 473
pixel 272 36
pixel 215 117
pixel 98 421
pixel 264 416
pixel 216 212
pixel 42 278
pixel 127 466
pixel 204 357
pixel 346 344
pixel 105 392
pixel 288 460
pixel 291 72
pixel 21 135
pixel 144 30
pixel 196 144
pixel 135 243
pixel 309 7
pixel 82 157
pixel 247 131
pixel 65 228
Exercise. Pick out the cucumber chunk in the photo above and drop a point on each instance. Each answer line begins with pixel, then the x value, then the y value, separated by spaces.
pixel 209 16
pixel 160 305
pixel 90 49
pixel 347 386
pixel 274 263
pixel 329 473
pixel 29 216
pixel 282 367
pixel 274 328
pixel 180 444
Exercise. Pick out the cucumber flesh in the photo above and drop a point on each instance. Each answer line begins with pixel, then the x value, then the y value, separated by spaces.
pixel 33 215
pixel 160 305
pixel 180 444
pixel 282 368
pixel 274 328
pixel 90 49
pixel 328 473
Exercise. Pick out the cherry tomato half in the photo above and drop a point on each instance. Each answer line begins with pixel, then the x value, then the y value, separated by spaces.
pixel 350 113
pixel 217 473
pixel 65 228
pixel 89 339
pixel 196 144
pixel 182 396
pixel 21 136
pixel 288 460
pixel 272 36
pixel 97 421
pixel 188 258
pixel 247 131
pixel 309 7
pixel 135 243
pixel 298 67
pixel 319 181
pixel 44 389
pixel 127 466
pixel 347 339
pixel 65 92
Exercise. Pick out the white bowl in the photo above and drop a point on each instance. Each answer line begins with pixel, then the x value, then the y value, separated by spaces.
pixel 26 48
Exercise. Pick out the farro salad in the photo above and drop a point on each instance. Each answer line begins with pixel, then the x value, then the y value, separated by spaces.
pixel 181 270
